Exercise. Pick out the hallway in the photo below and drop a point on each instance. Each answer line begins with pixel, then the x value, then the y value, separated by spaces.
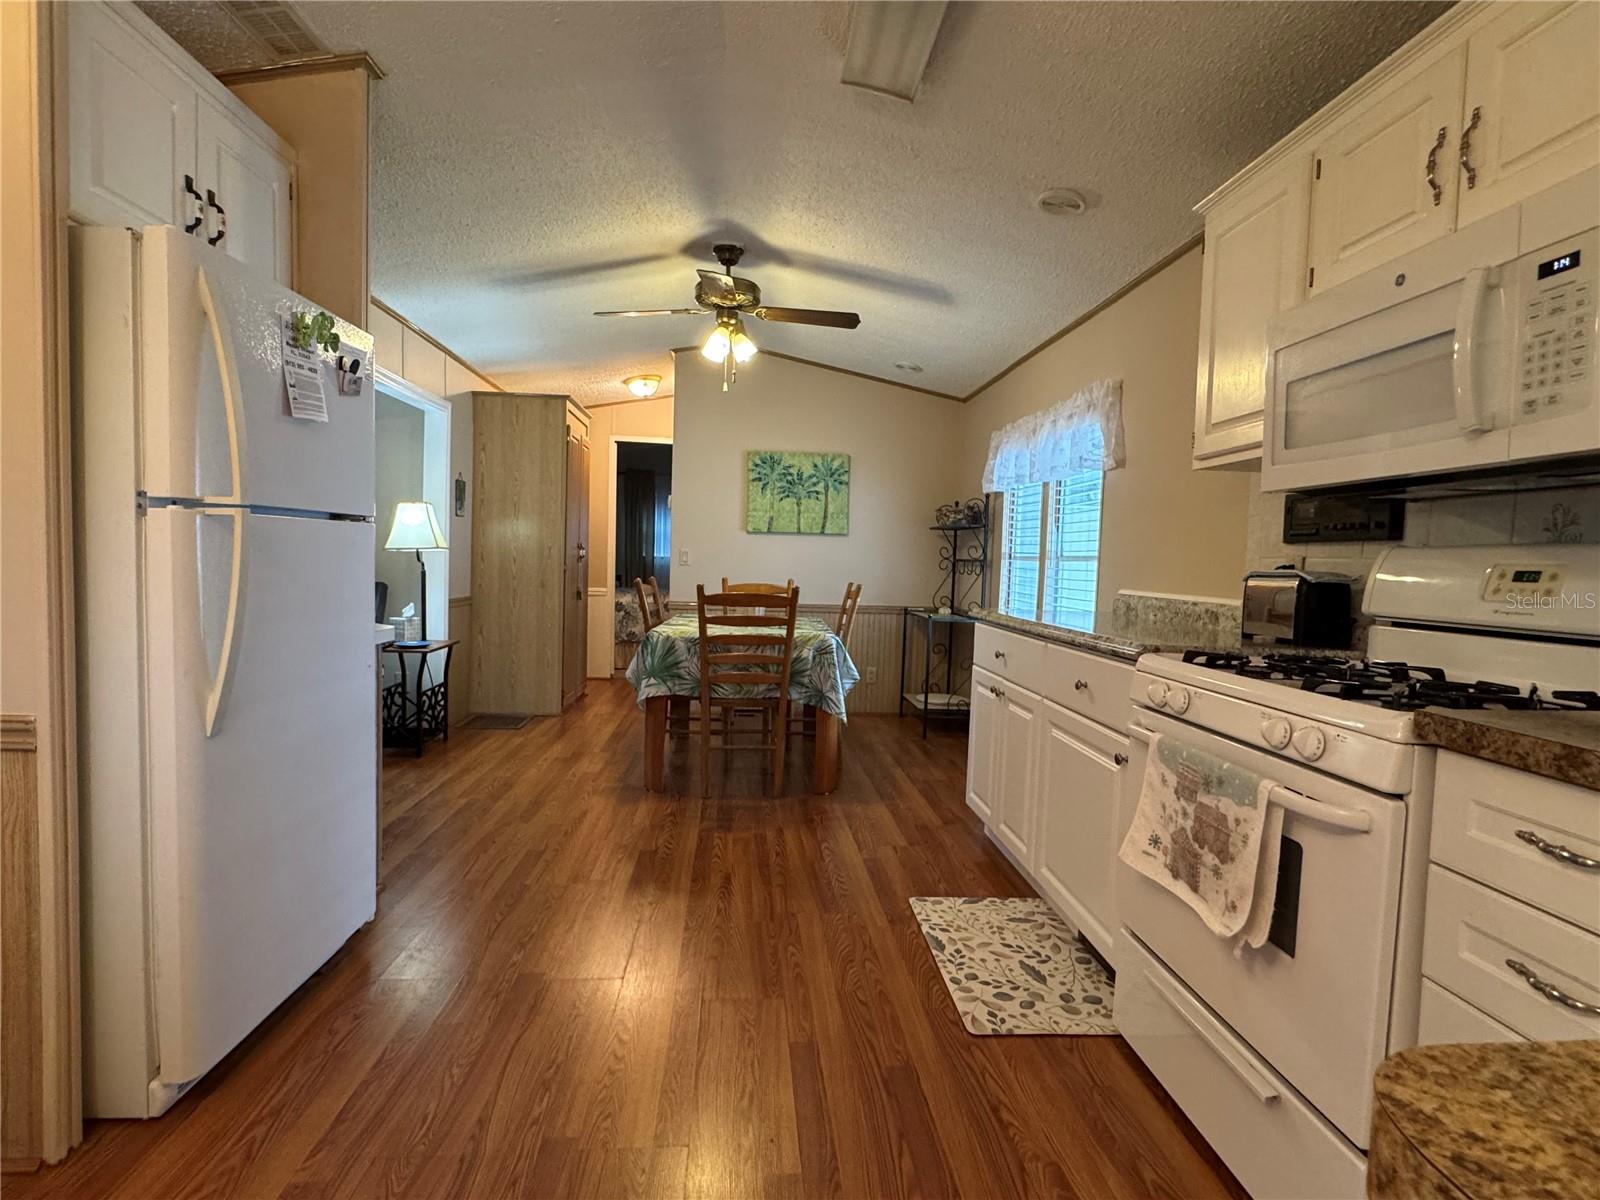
pixel 576 988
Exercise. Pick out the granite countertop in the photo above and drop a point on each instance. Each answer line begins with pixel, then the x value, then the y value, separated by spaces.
pixel 1486 1121
pixel 1139 623
pixel 1560 745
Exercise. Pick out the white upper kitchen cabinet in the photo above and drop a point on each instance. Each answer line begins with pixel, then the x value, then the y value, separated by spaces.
pixel 1531 115
pixel 1385 176
pixel 155 139
pixel 1254 267
pixel 247 193
pixel 132 116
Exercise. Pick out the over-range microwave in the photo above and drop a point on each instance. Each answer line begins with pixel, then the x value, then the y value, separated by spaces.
pixel 1472 353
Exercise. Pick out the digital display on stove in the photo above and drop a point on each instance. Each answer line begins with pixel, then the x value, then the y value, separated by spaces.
pixel 1526 576
pixel 1555 266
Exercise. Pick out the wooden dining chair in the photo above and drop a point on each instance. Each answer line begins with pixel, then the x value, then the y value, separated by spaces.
pixel 766 589
pixel 746 646
pixel 652 608
pixel 847 613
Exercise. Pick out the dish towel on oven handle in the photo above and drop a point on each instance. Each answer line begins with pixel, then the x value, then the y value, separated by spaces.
pixel 1205 830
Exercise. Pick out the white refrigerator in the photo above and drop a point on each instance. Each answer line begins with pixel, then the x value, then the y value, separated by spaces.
pixel 226 690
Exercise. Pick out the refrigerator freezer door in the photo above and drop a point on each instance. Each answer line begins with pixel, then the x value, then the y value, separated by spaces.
pixel 262 854
pixel 215 409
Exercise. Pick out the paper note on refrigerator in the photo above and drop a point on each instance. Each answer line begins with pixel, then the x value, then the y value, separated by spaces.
pixel 302 375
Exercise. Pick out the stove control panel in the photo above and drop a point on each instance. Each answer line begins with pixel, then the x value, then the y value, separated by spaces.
pixel 1276 731
pixel 1309 743
pixel 1522 583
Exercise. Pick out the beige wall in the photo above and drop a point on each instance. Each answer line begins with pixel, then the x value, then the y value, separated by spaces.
pixel 324 115
pixel 1164 527
pixel 902 446
pixel 640 419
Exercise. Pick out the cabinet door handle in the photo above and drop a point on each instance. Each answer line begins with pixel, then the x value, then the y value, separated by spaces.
pixel 222 219
pixel 1079 685
pixel 996 692
pixel 1120 759
pixel 1550 992
pixel 1433 167
pixel 999 653
pixel 199 206
pixel 1560 853
pixel 1466 149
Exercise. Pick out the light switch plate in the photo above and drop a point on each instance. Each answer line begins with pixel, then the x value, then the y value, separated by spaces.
pixel 683 556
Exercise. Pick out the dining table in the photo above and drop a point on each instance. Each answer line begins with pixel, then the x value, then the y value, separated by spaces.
pixel 665 674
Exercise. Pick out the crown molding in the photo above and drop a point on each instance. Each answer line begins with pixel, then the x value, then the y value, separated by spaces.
pixel 310 65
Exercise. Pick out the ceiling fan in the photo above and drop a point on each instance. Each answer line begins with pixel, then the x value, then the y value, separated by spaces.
pixel 726 296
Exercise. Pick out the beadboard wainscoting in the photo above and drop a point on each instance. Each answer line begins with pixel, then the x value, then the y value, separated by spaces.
pixel 875 650
pixel 461 660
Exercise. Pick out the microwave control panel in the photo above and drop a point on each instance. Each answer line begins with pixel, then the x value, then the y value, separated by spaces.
pixel 1557 328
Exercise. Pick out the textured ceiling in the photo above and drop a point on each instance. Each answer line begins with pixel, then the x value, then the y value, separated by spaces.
pixel 534 162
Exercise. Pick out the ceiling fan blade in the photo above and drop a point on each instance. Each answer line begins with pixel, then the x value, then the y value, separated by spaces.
pixel 809 316
pixel 654 312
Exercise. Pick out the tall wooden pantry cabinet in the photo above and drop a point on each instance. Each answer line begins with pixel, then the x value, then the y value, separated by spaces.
pixel 530 549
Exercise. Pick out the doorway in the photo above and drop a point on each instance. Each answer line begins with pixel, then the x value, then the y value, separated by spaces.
pixel 644 514
pixel 412 429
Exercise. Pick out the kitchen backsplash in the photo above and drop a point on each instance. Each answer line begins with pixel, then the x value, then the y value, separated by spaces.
pixel 1524 518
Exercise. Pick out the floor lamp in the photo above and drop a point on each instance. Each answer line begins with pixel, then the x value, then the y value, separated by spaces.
pixel 415 528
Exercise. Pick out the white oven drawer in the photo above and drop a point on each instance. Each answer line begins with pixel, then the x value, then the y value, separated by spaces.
pixel 1023 660
pixel 1474 933
pixel 1270 1137
pixel 1090 685
pixel 1490 822
pixel 1446 1017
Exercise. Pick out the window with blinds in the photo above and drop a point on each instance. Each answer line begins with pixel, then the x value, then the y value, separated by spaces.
pixel 1020 549
pixel 1071 566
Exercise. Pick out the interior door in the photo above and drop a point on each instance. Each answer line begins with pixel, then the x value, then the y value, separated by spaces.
pixel 1079 774
pixel 1374 194
pixel 1533 102
pixel 575 607
pixel 132 117
pixel 250 186
pixel 262 777
pixel 216 418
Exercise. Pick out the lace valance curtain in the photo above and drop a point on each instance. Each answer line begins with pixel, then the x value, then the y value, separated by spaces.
pixel 1083 432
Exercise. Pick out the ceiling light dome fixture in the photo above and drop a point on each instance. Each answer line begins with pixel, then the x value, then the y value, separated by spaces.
pixel 1064 202
pixel 642 386
pixel 729 345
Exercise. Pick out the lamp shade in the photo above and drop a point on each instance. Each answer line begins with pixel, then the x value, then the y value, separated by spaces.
pixel 415 528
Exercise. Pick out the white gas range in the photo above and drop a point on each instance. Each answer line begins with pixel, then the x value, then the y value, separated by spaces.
pixel 1271 1052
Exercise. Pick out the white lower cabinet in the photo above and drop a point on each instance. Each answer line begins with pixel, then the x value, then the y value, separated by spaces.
pixel 1076 843
pixel 1043 777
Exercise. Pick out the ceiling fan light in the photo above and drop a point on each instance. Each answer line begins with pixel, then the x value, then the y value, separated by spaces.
pixel 717 345
pixel 744 348
pixel 642 386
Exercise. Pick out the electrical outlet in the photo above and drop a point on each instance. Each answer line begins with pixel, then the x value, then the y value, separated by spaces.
pixel 870 675
pixel 683 556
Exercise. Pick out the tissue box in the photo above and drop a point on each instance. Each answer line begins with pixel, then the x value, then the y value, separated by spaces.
pixel 407 629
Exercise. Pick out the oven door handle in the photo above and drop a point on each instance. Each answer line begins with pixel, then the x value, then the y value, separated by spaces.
pixel 1253 1078
pixel 1301 805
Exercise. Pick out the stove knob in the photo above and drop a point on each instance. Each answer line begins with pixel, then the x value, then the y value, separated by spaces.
pixel 1158 694
pixel 1178 701
pixel 1275 732
pixel 1309 743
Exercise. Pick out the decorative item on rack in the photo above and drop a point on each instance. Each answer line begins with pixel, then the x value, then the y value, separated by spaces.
pixel 963 555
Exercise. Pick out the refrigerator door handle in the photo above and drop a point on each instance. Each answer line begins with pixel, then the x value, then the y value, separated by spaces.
pixel 216 698
pixel 222 338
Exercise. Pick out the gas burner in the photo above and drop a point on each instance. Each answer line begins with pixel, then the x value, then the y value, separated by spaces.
pixel 1581 701
pixel 1221 660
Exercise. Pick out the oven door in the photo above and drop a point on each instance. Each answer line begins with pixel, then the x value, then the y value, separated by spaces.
pixel 1315 1000
pixel 1405 370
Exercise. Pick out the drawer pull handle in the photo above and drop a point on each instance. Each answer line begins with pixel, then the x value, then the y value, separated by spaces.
pixel 999 654
pixel 1550 992
pixel 1120 759
pixel 1560 853
pixel 1433 167
pixel 996 692
pixel 1248 1075
pixel 1079 684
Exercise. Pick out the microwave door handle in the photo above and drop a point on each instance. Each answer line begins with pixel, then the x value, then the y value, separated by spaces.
pixel 1469 413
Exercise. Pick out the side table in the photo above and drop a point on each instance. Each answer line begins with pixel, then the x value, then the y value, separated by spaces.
pixel 417 707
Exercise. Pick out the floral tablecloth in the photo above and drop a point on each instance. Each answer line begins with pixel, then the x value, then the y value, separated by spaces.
pixel 668 664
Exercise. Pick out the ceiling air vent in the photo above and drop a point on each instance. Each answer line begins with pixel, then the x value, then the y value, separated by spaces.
pixel 277 26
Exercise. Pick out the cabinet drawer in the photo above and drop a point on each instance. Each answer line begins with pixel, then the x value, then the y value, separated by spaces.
pixel 1472 934
pixel 1489 822
pixel 1272 1140
pixel 1446 1017
pixel 1091 686
pixel 1023 660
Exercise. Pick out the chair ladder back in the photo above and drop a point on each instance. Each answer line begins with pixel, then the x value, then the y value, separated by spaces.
pixel 847 613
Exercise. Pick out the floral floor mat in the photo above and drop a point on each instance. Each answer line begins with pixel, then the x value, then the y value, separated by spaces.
pixel 1013 966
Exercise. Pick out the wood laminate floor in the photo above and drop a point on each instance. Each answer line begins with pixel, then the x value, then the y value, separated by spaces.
pixel 574 988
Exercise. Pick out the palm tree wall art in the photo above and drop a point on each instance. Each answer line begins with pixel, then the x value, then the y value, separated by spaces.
pixel 792 492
